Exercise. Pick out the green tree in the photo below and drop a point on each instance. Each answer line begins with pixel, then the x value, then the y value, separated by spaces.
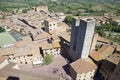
pixel 100 31
pixel 24 11
pixel 3 17
pixel 68 20
pixel 48 59
pixel 2 29
pixel 111 25
pixel 118 12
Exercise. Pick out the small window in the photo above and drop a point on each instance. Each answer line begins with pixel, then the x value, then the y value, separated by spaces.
pixel 50 25
pixel 91 73
pixel 84 75
pixel 91 76
pixel 53 24
pixel 56 49
pixel 25 62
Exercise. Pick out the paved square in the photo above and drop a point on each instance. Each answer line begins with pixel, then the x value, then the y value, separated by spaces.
pixel 55 69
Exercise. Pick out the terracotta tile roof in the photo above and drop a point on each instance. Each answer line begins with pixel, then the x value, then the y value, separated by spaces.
pixel 95 55
pixel 2 58
pixel 31 48
pixel 104 40
pixel 23 42
pixel 50 20
pixel 115 58
pixel 63 25
pixel 105 51
pixel 53 31
pixel 56 44
pixel 27 38
pixel 42 36
pixel 66 36
pixel 83 66
pixel 7 51
pixel 46 45
pixel 55 37
pixel 102 53
pixel 22 51
pixel 20 43
pixel 3 78
pixel 118 48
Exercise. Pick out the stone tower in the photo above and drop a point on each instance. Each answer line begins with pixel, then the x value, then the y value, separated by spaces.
pixel 81 37
pixel 50 25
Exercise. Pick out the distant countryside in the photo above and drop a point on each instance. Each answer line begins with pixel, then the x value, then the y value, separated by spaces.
pixel 75 7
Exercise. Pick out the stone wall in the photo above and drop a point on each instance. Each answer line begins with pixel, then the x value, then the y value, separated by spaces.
pixel 4 63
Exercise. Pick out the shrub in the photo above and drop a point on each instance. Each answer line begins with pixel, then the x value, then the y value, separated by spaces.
pixel 68 20
pixel 48 59
pixel 24 11
pixel 2 29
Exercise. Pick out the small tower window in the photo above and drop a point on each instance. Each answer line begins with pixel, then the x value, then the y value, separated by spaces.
pixel 50 25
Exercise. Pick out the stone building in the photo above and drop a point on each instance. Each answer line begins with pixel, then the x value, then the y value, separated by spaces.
pixel 50 25
pixel 118 48
pixel 53 48
pixel 104 52
pixel 48 43
pixel 23 54
pixel 116 73
pixel 42 8
pixel 94 41
pixel 102 41
pixel 82 69
pixel 3 78
pixel 109 69
pixel 81 37
pixel 50 46
pixel 27 51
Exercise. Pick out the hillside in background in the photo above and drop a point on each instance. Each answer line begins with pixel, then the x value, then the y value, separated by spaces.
pixel 75 7
pixel 100 1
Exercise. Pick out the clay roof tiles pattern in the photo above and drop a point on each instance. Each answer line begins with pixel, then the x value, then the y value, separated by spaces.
pixel 83 66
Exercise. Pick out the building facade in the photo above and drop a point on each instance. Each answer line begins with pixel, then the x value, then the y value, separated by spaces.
pixel 94 42
pixel 81 37
pixel 82 69
pixel 3 62
pixel 116 73
pixel 50 25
